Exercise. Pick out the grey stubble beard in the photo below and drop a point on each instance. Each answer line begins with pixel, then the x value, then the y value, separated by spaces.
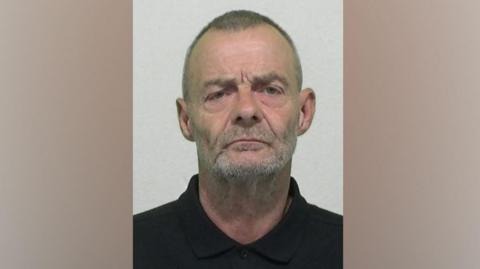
pixel 256 183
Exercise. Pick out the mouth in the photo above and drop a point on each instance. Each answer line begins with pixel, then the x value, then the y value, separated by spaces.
pixel 246 141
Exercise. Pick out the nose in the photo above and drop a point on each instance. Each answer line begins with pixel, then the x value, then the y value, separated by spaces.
pixel 246 111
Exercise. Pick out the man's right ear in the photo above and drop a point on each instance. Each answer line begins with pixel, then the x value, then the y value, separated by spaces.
pixel 184 119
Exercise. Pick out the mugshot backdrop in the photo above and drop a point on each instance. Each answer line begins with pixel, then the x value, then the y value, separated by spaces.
pixel 164 161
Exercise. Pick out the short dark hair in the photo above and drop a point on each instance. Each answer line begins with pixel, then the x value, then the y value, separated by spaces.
pixel 234 21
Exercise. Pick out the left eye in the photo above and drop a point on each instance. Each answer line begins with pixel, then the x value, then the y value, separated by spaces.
pixel 271 91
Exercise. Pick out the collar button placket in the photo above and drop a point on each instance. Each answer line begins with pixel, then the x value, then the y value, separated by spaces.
pixel 243 253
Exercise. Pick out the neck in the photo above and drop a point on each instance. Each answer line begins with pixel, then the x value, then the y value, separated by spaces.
pixel 245 209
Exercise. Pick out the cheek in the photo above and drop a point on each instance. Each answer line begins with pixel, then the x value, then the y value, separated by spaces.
pixel 282 121
pixel 208 128
pixel 201 134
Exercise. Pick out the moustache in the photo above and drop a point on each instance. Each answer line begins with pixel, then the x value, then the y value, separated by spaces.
pixel 255 133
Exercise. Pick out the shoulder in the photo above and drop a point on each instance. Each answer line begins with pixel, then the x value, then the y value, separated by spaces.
pixel 322 216
pixel 156 234
pixel 323 239
pixel 162 216
pixel 153 214
pixel 157 226
pixel 325 226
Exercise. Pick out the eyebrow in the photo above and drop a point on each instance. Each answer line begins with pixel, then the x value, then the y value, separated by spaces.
pixel 261 79
pixel 268 78
pixel 221 82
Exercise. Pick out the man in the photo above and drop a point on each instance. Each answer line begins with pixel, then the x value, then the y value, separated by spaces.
pixel 243 107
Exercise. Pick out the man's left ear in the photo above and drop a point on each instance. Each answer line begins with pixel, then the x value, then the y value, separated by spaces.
pixel 307 110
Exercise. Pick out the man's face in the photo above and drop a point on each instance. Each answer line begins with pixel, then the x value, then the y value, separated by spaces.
pixel 244 105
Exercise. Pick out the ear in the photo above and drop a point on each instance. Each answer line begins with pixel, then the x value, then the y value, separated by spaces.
pixel 184 119
pixel 307 110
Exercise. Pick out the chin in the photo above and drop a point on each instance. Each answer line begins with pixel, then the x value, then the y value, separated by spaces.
pixel 247 168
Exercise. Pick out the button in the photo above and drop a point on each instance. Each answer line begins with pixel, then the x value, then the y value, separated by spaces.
pixel 243 253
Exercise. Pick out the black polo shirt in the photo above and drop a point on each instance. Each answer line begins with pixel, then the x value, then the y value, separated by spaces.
pixel 180 235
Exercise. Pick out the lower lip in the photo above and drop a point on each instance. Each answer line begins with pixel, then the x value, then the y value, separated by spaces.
pixel 247 145
pixel 247 142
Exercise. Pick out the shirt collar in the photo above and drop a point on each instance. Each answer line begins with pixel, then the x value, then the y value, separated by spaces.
pixel 207 240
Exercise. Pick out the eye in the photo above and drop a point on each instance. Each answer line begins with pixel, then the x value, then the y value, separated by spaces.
pixel 216 96
pixel 271 90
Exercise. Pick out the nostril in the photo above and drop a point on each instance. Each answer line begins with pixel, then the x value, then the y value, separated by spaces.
pixel 247 120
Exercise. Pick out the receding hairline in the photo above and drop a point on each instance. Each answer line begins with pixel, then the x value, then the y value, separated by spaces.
pixel 237 21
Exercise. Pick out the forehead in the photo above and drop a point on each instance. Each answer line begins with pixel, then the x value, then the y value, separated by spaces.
pixel 257 50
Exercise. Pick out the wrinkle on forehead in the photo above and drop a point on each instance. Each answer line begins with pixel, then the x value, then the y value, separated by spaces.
pixel 245 78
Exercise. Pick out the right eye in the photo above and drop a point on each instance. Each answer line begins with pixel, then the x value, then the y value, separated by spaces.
pixel 215 96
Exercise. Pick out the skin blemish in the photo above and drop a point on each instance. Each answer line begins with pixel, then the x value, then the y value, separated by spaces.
pixel 243 77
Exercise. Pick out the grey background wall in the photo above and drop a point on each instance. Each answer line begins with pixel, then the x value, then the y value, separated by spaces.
pixel 164 161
